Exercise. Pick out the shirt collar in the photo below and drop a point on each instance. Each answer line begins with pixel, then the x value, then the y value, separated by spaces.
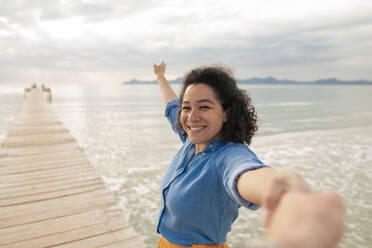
pixel 214 146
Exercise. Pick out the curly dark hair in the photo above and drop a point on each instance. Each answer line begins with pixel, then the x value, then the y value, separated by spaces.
pixel 242 118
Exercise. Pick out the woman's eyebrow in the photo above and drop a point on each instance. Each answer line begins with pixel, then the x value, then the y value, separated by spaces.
pixel 206 100
pixel 201 101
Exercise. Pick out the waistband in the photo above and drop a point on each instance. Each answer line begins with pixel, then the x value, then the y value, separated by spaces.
pixel 164 243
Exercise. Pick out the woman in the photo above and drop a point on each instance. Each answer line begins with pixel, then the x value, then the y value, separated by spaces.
pixel 214 172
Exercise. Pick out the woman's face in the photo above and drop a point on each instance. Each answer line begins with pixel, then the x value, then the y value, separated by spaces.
pixel 202 115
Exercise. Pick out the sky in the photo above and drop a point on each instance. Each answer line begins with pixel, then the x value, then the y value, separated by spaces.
pixel 81 41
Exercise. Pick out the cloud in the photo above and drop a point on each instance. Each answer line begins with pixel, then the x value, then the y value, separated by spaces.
pixel 118 40
pixel 99 10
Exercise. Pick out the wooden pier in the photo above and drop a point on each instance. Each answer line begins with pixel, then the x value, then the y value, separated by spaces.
pixel 50 195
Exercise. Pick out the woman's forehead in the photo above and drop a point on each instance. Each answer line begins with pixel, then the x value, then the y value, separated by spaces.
pixel 198 92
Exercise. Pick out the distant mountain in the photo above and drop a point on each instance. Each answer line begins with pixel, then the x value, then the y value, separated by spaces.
pixel 336 81
pixel 270 80
pixel 135 81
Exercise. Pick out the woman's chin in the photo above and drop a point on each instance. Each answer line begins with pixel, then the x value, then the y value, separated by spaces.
pixel 195 141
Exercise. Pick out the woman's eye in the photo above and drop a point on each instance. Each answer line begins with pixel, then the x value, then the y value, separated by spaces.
pixel 204 107
pixel 186 108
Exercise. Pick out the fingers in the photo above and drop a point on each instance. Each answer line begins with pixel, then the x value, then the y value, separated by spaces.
pixel 333 198
pixel 284 181
pixel 333 201
pixel 160 68
pixel 278 188
pixel 161 64
pixel 305 220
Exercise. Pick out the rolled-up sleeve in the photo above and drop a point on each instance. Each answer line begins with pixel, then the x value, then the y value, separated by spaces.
pixel 171 112
pixel 236 162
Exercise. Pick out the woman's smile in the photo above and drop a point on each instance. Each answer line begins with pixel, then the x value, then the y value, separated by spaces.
pixel 196 129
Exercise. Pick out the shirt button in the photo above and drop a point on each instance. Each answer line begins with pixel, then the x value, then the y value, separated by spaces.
pixel 203 153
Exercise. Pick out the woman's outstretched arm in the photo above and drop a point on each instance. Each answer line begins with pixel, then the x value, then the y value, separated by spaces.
pixel 167 93
pixel 266 186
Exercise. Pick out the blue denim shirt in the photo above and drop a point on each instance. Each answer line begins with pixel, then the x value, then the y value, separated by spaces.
pixel 199 199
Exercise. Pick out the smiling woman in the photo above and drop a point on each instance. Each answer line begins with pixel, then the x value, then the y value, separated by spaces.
pixel 214 173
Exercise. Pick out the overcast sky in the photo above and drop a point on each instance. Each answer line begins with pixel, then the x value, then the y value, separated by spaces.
pixel 112 41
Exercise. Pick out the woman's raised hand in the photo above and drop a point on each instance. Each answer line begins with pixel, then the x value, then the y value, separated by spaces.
pixel 167 92
pixel 159 69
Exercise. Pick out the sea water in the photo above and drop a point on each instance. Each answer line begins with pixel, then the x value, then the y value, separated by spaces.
pixel 324 133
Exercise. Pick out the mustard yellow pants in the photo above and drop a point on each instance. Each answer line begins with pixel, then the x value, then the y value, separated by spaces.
pixel 163 243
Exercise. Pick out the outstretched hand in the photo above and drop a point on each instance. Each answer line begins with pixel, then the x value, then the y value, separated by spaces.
pixel 283 181
pixel 307 220
pixel 159 69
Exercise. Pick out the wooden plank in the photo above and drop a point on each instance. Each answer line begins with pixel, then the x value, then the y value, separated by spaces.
pixel 54 208
pixel 41 188
pixel 89 236
pixel 42 157
pixel 25 130
pixel 36 167
pixel 36 123
pixel 105 239
pixel 10 161
pixel 46 141
pixel 50 195
pixel 19 162
pixel 35 150
pixel 129 242
pixel 36 137
pixel 46 176
pixel 58 225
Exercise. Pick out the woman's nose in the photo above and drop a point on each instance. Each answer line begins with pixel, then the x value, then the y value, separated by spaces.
pixel 194 115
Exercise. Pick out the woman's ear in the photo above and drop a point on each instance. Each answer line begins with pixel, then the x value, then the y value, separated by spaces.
pixel 226 114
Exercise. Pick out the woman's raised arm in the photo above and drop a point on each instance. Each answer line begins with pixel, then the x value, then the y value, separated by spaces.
pixel 167 93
